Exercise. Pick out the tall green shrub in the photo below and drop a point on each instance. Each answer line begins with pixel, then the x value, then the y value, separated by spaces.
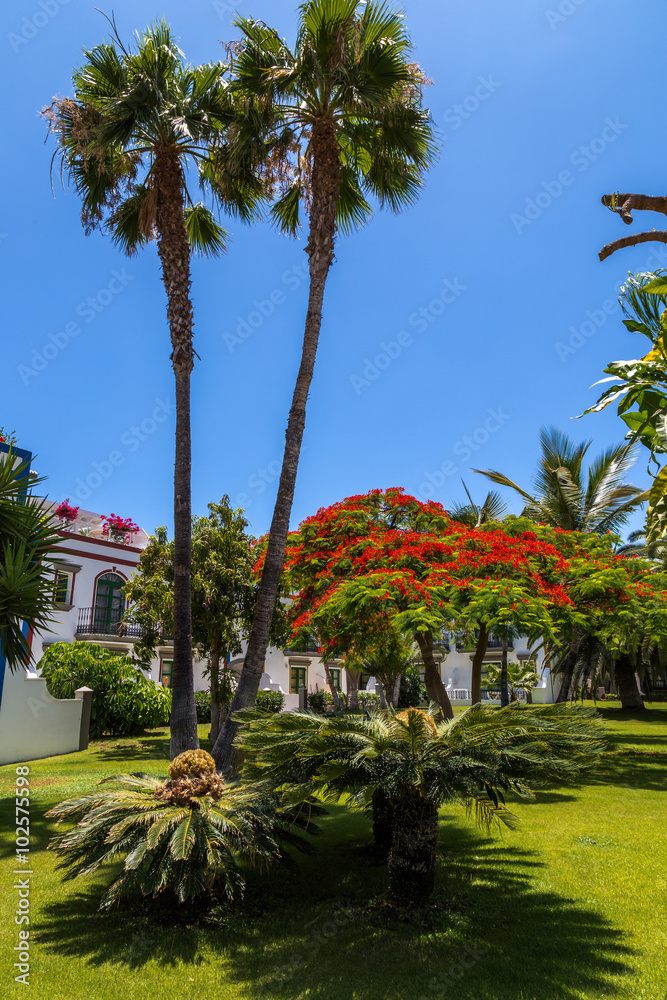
pixel 124 699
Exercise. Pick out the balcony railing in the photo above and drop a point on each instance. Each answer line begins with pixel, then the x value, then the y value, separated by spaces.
pixel 101 621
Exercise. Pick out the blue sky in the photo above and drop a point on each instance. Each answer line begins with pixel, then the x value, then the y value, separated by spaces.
pixel 451 332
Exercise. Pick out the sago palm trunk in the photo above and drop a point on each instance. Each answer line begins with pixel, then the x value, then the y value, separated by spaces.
pixel 174 253
pixel 352 677
pixel 320 249
pixel 412 856
pixel 435 689
pixel 383 823
pixel 477 662
pixel 626 684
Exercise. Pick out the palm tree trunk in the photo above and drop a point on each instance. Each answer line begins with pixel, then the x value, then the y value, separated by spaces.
pixel 174 253
pixel 320 249
pixel 391 687
pixel 477 661
pixel 333 689
pixel 214 668
pixel 435 689
pixel 504 694
pixel 626 683
pixel 412 856
pixel 352 689
pixel 568 670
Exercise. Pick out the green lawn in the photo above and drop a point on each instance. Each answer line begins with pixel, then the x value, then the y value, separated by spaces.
pixel 569 905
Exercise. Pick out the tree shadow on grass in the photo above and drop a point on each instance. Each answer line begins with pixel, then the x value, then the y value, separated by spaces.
pixel 492 934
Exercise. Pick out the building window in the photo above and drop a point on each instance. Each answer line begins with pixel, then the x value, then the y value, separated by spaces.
pixel 62 588
pixel 297 679
pixel 109 602
pixel 363 680
pixel 335 677
pixel 166 671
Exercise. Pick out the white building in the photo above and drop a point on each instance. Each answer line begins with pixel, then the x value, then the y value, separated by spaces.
pixel 90 607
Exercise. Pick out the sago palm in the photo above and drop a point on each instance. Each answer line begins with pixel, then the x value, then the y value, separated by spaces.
pixel 568 496
pixel 417 766
pixel 183 836
pixel 139 120
pixel 349 129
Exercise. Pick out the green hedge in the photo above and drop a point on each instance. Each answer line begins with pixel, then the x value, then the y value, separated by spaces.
pixel 125 701
pixel 270 701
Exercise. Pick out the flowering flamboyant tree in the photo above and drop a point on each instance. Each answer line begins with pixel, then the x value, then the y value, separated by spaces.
pixel 386 561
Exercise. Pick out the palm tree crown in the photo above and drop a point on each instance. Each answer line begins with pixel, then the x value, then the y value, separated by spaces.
pixel 568 496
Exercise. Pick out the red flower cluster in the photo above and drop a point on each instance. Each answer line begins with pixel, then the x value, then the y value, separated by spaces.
pixel 66 512
pixel 118 525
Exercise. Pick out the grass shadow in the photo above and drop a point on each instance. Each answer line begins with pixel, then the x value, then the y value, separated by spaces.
pixel 492 933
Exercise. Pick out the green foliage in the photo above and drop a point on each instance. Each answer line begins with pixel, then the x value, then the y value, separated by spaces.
pixel 172 839
pixel 369 701
pixel 27 554
pixel 318 699
pixel 124 700
pixel 203 706
pixel 270 701
pixel 413 690
pixel 473 759
pixel 520 677
pixel 565 496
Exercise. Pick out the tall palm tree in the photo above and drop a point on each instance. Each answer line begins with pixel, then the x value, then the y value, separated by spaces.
pixel 350 126
pixel 138 121
pixel 417 766
pixel 566 496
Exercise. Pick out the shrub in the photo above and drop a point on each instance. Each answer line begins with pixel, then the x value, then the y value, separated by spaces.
pixel 319 701
pixel 203 705
pixel 180 836
pixel 316 701
pixel 270 701
pixel 412 692
pixel 369 701
pixel 125 701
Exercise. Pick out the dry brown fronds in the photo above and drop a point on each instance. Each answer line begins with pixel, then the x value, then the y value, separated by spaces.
pixel 185 791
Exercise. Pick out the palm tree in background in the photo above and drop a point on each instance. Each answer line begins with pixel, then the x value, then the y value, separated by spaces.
pixel 349 126
pixel 567 496
pixel 138 121
pixel 596 499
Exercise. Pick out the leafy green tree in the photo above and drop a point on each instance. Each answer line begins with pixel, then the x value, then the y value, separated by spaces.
pixel 28 551
pixel 223 596
pixel 350 127
pixel 125 701
pixel 139 120
pixel 418 766
pixel 639 387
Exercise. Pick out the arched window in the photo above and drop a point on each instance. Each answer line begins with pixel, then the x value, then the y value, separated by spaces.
pixel 109 602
